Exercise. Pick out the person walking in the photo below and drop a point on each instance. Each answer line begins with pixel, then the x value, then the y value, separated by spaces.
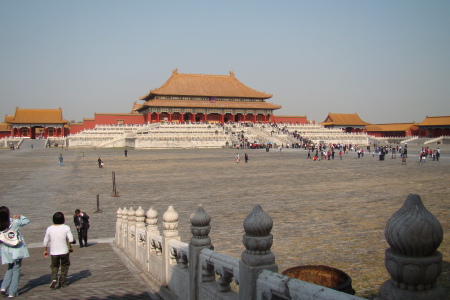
pixel 246 157
pixel 81 220
pixel 100 163
pixel 12 255
pixel 57 238
pixel 237 158
pixel 61 159
pixel 126 153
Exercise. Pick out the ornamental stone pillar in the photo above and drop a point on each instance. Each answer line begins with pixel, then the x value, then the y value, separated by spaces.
pixel 200 240
pixel 118 227
pixel 124 228
pixel 257 255
pixel 170 232
pixel 141 241
pixel 131 232
pixel 151 229
pixel 412 260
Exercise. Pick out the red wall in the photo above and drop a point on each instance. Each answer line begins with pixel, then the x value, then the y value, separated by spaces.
pixel 107 119
pixel 114 119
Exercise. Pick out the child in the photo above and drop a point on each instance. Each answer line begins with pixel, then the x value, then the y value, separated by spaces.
pixel 56 237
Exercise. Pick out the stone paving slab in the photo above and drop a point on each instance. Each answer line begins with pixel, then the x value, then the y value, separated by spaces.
pixel 96 272
pixel 328 212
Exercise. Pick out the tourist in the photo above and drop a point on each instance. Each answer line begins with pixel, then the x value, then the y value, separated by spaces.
pixel 438 153
pixel 237 158
pixel 12 255
pixel 126 153
pixel 57 238
pixel 100 163
pixel 340 155
pixel 246 157
pixel 61 160
pixel 81 220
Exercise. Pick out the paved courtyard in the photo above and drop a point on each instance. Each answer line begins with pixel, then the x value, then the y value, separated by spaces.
pixel 325 212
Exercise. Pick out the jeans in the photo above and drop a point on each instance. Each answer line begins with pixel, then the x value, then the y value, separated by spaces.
pixel 12 276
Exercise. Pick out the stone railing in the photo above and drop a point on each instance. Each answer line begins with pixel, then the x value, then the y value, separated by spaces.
pixel 437 139
pixel 195 271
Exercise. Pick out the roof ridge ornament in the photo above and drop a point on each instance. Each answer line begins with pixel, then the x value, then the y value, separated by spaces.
pixel 175 71
pixel 231 73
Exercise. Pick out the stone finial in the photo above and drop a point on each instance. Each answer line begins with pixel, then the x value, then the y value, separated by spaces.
pixel 124 213
pixel 257 239
pixel 170 222
pixel 200 227
pixel 413 230
pixel 258 223
pixel 140 215
pixel 119 213
pixel 131 214
pixel 412 260
pixel 152 217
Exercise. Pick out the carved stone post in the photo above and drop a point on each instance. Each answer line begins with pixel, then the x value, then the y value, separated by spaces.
pixel 152 228
pixel 200 240
pixel 124 228
pixel 170 232
pixel 140 237
pixel 117 240
pixel 131 232
pixel 412 260
pixel 257 256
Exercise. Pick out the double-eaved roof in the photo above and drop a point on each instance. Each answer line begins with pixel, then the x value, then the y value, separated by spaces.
pixel 334 119
pixel 36 116
pixel 200 85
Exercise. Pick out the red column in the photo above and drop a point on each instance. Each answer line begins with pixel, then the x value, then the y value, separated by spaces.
pixel 157 117
pixel 182 117
pixel 222 118
pixel 170 117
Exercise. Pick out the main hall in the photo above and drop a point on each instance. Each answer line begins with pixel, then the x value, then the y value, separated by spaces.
pixel 205 98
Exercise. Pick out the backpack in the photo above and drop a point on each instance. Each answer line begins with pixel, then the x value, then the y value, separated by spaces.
pixel 10 238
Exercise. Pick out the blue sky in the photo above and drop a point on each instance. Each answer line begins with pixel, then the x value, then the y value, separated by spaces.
pixel 388 61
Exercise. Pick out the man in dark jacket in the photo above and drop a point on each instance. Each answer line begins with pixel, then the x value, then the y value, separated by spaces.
pixel 81 220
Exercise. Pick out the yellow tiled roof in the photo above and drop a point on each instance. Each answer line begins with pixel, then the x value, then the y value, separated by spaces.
pixel 211 104
pixel 205 86
pixel 390 127
pixel 27 116
pixel 435 121
pixel 5 127
pixel 136 106
pixel 343 119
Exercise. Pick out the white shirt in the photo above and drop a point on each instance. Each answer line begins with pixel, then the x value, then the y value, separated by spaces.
pixel 56 238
